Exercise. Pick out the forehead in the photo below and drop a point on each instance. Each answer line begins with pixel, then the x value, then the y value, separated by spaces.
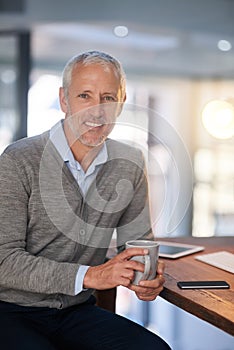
pixel 95 71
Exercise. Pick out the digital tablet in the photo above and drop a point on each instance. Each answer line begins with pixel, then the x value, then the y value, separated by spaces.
pixel 174 250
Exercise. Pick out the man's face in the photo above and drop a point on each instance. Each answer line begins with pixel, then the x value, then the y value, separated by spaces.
pixel 93 102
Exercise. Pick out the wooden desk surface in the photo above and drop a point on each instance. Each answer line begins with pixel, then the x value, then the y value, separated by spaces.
pixel 213 306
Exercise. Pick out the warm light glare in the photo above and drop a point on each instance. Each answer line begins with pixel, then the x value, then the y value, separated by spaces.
pixel 218 119
pixel 43 106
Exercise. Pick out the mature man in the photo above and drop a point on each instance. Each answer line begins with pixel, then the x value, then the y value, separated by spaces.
pixel 63 193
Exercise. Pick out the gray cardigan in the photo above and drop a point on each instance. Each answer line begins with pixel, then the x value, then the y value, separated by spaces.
pixel 48 229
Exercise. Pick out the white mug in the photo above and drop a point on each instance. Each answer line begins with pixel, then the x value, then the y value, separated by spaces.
pixel 150 260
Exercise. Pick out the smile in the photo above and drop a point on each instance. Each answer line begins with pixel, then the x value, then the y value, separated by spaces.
pixel 93 125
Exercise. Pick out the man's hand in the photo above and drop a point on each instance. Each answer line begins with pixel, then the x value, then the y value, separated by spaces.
pixel 149 290
pixel 117 271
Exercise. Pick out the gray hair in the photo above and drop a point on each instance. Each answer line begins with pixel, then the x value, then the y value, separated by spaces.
pixel 94 57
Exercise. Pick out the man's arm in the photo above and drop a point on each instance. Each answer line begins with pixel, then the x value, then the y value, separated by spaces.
pixel 135 223
pixel 18 268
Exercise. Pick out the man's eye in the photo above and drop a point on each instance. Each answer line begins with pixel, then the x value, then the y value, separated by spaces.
pixel 83 95
pixel 109 98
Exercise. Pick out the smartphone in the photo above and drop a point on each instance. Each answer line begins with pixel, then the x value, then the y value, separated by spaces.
pixel 203 285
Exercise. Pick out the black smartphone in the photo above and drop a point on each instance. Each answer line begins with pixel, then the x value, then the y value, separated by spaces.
pixel 203 285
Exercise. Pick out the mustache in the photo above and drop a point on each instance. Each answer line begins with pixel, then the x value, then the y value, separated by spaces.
pixel 99 119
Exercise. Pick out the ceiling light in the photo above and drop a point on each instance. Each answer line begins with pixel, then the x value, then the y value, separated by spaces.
pixel 8 76
pixel 121 31
pixel 224 45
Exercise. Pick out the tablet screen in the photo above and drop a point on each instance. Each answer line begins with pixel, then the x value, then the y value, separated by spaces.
pixel 174 250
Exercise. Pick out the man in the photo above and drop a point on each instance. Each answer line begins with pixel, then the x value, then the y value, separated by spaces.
pixel 62 195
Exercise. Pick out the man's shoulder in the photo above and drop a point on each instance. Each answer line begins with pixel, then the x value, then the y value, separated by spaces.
pixel 28 145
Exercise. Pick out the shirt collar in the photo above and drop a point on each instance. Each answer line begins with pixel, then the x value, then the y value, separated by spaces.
pixel 58 138
pixel 100 159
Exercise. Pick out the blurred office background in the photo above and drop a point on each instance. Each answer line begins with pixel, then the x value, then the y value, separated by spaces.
pixel 179 57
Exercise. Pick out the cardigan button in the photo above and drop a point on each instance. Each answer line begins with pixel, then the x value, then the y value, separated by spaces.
pixel 82 232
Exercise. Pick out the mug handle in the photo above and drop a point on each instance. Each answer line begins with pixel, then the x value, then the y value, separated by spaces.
pixel 147 268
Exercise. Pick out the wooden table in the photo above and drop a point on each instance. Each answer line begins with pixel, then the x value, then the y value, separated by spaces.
pixel 213 306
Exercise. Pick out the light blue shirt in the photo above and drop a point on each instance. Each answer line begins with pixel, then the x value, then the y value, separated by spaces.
pixel 84 179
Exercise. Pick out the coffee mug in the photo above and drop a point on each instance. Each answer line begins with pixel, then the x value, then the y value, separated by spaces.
pixel 150 260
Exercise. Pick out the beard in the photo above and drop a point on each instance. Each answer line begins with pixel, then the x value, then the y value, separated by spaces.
pixel 93 137
pixel 90 127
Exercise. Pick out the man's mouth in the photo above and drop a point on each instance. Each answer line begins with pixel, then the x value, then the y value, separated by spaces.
pixel 93 125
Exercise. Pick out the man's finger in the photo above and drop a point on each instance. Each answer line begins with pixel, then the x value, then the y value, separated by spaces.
pixel 130 252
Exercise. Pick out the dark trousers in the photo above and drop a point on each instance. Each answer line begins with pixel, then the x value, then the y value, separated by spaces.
pixel 82 327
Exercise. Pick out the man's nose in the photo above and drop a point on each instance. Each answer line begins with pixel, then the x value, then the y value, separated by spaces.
pixel 97 109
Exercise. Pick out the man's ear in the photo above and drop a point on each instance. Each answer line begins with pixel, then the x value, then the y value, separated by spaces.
pixel 63 100
pixel 120 106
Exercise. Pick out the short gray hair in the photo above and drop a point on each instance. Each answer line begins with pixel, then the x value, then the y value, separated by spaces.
pixel 92 57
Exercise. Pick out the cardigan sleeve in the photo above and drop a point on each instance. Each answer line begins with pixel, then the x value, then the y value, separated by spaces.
pixel 20 270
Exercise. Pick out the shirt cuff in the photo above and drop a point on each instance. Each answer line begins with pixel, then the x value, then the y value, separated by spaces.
pixel 80 279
